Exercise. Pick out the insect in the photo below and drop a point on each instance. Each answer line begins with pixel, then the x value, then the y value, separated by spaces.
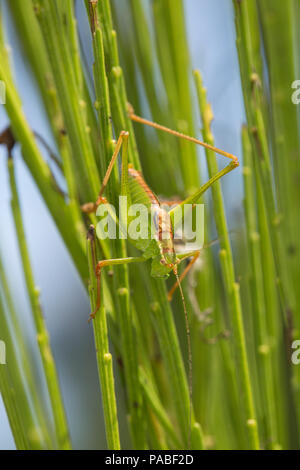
pixel 160 249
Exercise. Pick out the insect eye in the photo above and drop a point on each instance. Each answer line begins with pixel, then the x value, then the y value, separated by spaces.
pixel 162 261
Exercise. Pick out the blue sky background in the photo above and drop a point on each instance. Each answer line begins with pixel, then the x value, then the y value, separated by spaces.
pixel 211 33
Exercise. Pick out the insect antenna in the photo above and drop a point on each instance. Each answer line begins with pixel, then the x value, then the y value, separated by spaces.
pixel 190 361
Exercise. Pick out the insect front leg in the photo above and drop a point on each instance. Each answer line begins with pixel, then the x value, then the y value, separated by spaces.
pixel 98 270
pixel 90 207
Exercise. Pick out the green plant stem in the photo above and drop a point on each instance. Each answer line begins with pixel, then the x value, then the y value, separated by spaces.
pixel 155 404
pixel 251 71
pixel 13 392
pixel 282 52
pixel 166 331
pixel 231 286
pixel 35 50
pixel 40 171
pixel 71 101
pixel 280 55
pixel 8 396
pixel 104 357
pixel 121 283
pixel 116 80
pixel 61 428
pixel 259 312
pixel 170 30
pixel 33 45
pixel 102 100
pixel 19 388
pixel 284 194
pixel 24 356
pixel 166 149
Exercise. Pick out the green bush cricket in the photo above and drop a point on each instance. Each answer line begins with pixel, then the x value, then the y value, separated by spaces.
pixel 160 249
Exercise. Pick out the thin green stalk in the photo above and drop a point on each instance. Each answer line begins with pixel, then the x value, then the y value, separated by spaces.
pixel 34 47
pixel 265 359
pixel 240 352
pixel 69 21
pixel 166 149
pixel 118 99
pixel 10 403
pixel 122 286
pixel 102 96
pixel 71 101
pixel 168 339
pixel 281 54
pixel 170 30
pixel 116 80
pixel 40 171
pixel 275 326
pixel 130 356
pixel 61 428
pixel 104 357
pixel 283 195
pixel 159 149
pixel 229 276
pixel 250 60
pixel 156 406
pixel 14 392
pixel 73 197
pixel 67 14
pixel 282 51
pixel 23 355
pixel 35 50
